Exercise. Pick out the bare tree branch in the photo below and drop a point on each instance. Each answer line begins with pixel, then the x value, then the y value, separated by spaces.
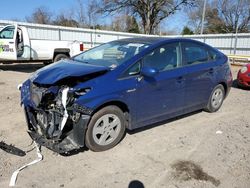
pixel 151 12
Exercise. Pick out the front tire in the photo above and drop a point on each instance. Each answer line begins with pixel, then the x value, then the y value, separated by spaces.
pixel 106 129
pixel 216 99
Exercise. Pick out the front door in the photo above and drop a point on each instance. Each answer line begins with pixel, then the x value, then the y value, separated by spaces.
pixel 162 95
pixel 8 43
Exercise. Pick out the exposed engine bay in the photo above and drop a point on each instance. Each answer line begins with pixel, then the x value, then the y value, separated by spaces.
pixel 54 118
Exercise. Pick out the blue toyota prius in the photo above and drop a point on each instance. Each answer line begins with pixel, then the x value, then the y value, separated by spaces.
pixel 93 98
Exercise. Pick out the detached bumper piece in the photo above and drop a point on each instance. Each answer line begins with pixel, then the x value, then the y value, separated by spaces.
pixel 12 149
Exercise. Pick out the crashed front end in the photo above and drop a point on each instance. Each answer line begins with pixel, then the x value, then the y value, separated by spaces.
pixel 55 119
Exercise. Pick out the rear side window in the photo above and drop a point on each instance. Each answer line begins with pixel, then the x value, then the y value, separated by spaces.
pixel 7 33
pixel 213 55
pixel 195 53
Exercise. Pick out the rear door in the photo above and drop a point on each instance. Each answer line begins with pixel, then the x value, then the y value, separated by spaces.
pixel 164 93
pixel 8 43
pixel 200 74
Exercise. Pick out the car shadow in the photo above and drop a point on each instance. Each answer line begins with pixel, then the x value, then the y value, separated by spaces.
pixel 21 67
pixel 236 86
pixel 74 152
pixel 162 122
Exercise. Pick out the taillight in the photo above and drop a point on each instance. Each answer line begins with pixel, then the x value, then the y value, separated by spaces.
pixel 81 47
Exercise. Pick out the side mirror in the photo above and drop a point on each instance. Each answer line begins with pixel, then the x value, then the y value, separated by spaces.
pixel 149 72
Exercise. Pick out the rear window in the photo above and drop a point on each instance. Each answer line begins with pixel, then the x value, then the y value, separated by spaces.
pixel 195 54
pixel 213 55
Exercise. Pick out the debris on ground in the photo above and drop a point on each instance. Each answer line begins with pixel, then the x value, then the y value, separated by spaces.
pixel 15 174
pixel 12 149
pixel 218 132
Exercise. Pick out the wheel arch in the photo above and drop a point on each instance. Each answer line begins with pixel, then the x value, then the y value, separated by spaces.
pixel 224 86
pixel 123 106
pixel 65 51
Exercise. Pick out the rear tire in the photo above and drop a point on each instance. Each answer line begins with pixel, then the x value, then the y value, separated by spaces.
pixel 216 99
pixel 59 57
pixel 106 129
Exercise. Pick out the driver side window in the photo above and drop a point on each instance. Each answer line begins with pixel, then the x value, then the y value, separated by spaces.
pixel 133 70
pixel 163 58
pixel 7 33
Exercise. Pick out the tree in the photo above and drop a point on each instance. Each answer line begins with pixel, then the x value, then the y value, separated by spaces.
pixel 65 20
pixel 80 13
pixel 92 12
pixel 119 23
pixel 40 15
pixel 221 16
pixel 195 16
pixel 125 23
pixel 235 14
pixel 151 12
pixel 214 23
pixel 187 31
pixel 97 26
pixel 132 25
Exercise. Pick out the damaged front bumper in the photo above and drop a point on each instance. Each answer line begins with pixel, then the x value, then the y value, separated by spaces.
pixel 73 140
pixel 61 130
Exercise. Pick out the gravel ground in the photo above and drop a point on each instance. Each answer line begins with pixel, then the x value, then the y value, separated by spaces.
pixel 185 152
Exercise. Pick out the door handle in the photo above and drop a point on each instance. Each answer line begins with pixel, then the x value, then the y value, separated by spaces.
pixel 211 70
pixel 180 79
pixel 11 42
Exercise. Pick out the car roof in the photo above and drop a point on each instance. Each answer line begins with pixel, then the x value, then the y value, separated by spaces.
pixel 154 40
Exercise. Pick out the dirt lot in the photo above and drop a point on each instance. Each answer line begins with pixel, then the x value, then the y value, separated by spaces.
pixel 185 152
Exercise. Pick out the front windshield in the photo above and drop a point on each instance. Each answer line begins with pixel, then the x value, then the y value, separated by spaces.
pixel 111 54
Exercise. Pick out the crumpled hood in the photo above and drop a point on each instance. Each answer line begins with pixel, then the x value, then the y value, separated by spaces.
pixel 51 74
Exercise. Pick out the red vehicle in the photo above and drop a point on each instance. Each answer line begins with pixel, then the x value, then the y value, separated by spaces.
pixel 243 78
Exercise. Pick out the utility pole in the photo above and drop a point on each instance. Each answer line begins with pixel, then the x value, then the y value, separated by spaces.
pixel 203 16
pixel 237 28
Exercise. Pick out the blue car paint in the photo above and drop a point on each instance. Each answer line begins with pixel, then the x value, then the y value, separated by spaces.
pixel 149 100
pixel 181 96
pixel 52 73
pixel 25 94
pixel 101 95
pixel 165 95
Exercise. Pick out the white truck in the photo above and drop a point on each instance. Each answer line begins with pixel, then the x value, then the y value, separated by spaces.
pixel 17 46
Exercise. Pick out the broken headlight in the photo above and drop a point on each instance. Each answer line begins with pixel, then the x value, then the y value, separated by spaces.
pixel 36 93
